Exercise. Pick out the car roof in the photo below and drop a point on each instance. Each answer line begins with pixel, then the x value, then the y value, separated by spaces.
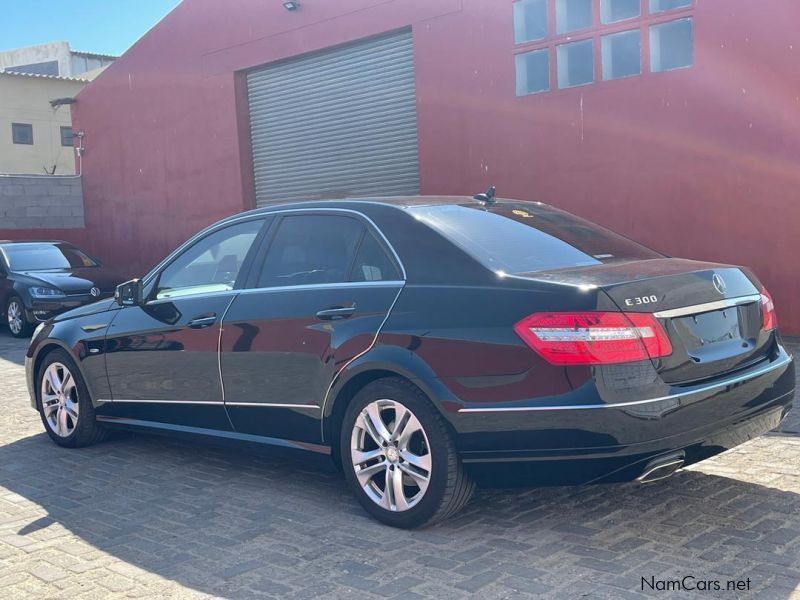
pixel 24 242
pixel 399 202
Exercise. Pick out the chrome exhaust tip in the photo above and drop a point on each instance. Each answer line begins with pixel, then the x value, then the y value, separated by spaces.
pixel 658 470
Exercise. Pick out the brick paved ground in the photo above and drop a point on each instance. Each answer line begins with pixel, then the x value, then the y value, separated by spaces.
pixel 142 516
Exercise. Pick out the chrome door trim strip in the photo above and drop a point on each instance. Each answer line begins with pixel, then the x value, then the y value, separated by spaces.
pixel 139 401
pixel 272 405
pixel 253 404
pixel 706 307
pixel 707 388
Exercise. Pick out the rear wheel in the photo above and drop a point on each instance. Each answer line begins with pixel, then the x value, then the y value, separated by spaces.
pixel 15 318
pixel 399 458
pixel 64 403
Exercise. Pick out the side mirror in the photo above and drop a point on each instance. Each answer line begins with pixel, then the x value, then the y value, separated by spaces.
pixel 129 293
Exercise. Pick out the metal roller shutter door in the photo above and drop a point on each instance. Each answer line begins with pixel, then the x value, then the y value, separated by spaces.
pixel 338 123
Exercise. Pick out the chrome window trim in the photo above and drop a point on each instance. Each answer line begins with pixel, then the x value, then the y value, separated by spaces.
pixel 316 286
pixel 701 390
pixel 147 279
pixel 706 307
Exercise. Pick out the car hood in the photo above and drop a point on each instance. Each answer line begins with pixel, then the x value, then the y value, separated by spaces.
pixel 75 280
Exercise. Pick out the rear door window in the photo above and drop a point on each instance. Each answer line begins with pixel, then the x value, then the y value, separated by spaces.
pixel 372 262
pixel 526 238
pixel 311 250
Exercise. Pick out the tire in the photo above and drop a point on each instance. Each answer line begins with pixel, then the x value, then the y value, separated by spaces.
pixel 72 422
pixel 426 481
pixel 15 318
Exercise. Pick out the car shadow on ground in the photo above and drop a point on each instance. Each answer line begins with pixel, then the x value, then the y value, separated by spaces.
pixel 233 522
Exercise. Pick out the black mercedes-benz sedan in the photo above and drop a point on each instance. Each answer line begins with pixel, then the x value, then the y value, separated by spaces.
pixel 39 280
pixel 415 339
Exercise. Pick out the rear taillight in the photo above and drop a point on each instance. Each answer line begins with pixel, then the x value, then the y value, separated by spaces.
pixel 594 338
pixel 769 320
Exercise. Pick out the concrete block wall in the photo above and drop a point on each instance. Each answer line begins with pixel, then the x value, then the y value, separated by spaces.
pixel 41 202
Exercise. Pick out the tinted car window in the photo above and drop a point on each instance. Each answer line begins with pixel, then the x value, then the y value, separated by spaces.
pixel 46 257
pixel 311 249
pixel 210 265
pixel 372 263
pixel 525 238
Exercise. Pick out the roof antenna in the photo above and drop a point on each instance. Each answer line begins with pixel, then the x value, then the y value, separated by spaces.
pixel 488 197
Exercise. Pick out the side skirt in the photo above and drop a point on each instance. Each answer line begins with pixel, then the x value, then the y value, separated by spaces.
pixel 214 433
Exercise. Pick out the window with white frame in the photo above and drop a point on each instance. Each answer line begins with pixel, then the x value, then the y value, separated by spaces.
pixel 613 11
pixel 622 54
pixel 533 72
pixel 664 5
pixel 567 41
pixel 573 15
pixel 671 45
pixel 530 20
pixel 575 63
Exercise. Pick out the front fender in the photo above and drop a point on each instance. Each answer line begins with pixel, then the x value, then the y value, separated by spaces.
pixel 85 346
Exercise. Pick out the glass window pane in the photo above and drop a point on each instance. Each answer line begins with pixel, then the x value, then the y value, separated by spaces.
pixel 671 45
pixel 66 136
pixel 523 237
pixel 622 54
pixel 572 15
pixel 662 5
pixel 22 133
pixel 530 20
pixel 311 249
pixel 372 263
pixel 210 265
pixel 612 11
pixel 575 64
pixel 533 72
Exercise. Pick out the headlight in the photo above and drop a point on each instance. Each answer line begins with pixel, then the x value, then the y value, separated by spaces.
pixel 45 292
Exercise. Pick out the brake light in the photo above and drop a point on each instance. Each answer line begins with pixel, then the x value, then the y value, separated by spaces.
pixel 769 319
pixel 594 338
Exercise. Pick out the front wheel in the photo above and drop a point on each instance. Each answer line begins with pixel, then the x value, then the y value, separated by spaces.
pixel 64 403
pixel 399 458
pixel 15 318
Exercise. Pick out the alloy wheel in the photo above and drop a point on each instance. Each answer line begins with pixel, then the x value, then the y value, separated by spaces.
pixel 15 317
pixel 391 456
pixel 60 399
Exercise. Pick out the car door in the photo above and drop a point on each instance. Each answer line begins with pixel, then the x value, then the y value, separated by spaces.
pixel 162 355
pixel 320 289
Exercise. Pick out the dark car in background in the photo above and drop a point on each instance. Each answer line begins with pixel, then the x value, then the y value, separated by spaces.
pixel 39 280
pixel 418 339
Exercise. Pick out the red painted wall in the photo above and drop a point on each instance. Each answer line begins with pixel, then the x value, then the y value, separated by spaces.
pixel 700 162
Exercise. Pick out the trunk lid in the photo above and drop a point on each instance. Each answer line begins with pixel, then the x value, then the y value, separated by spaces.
pixel 711 312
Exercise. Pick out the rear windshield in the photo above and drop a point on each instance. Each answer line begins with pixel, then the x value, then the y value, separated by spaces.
pixel 45 257
pixel 525 238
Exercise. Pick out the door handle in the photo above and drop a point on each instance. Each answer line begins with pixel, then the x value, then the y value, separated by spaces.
pixel 337 312
pixel 202 321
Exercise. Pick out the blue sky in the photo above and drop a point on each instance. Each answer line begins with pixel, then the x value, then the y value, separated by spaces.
pixel 104 26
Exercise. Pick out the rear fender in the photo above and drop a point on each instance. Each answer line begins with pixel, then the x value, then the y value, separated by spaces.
pixel 396 361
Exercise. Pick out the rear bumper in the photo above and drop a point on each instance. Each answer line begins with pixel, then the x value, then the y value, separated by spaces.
pixel 614 441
